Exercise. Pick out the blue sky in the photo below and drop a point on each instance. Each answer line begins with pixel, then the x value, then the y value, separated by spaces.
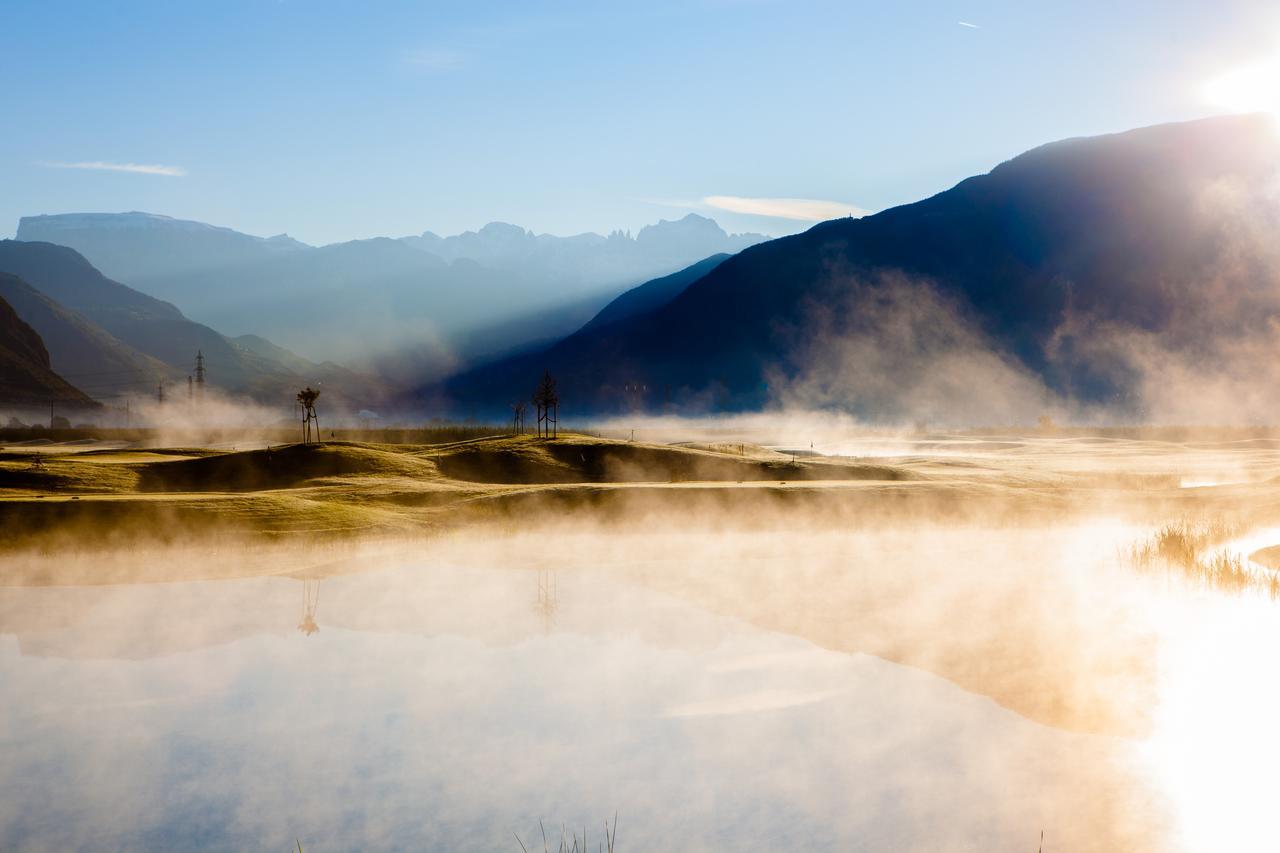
pixel 339 120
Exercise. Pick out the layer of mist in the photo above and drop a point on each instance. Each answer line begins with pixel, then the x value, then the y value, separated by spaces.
pixel 957 652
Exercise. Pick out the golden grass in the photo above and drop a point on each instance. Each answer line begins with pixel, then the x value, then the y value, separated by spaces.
pixel 339 489
pixel 1187 550
pixel 125 496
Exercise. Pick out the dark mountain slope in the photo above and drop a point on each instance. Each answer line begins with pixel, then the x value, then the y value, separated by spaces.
pixel 1045 266
pixel 494 344
pixel 508 379
pixel 652 295
pixel 25 375
pixel 149 325
pixel 81 350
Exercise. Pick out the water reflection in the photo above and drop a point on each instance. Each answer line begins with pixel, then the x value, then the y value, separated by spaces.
pixel 715 703
pixel 310 603
pixel 548 601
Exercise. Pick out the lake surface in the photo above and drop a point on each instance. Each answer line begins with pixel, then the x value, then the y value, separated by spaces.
pixel 449 701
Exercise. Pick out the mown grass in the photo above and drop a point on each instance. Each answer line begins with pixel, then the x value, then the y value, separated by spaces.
pixel 54 474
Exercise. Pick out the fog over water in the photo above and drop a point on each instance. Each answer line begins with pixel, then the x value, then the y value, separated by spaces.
pixel 956 659
pixel 717 691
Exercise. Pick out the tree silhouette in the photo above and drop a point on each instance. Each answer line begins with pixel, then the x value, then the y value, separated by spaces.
pixel 547 401
pixel 518 408
pixel 307 399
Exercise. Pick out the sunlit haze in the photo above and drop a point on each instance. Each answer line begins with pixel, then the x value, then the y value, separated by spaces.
pixel 1252 88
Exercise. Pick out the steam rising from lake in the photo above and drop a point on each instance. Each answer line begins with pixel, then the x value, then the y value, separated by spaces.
pixel 712 689
pixel 958 661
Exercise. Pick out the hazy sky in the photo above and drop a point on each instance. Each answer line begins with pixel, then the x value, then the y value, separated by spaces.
pixel 336 120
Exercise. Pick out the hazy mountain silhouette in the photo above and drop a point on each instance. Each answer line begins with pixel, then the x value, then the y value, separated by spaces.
pixel 590 259
pixel 506 379
pixel 1073 269
pixel 414 305
pixel 80 350
pixel 132 246
pixel 26 377
pixel 353 302
pixel 98 326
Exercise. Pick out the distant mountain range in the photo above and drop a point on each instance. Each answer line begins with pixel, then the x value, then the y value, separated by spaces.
pixel 412 306
pixel 1136 274
pixel 114 342
pixel 1133 276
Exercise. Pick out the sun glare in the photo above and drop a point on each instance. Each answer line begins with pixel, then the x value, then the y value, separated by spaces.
pixel 1251 88
pixel 1214 747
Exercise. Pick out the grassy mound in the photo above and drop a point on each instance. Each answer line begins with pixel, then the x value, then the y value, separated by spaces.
pixel 525 460
pixel 68 474
pixel 279 468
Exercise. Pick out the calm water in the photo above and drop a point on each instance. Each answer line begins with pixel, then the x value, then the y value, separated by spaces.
pixel 446 704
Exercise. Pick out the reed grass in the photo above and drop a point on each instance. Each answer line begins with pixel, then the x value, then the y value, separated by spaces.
pixel 570 842
pixel 1185 550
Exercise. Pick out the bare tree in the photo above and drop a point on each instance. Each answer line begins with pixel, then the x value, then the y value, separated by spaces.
pixel 518 408
pixel 547 401
pixel 307 400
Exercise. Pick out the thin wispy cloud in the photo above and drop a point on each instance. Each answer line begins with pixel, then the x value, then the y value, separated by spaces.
pixel 434 60
pixel 969 25
pixel 803 209
pixel 134 168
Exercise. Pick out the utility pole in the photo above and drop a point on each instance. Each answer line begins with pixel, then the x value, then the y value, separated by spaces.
pixel 200 374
